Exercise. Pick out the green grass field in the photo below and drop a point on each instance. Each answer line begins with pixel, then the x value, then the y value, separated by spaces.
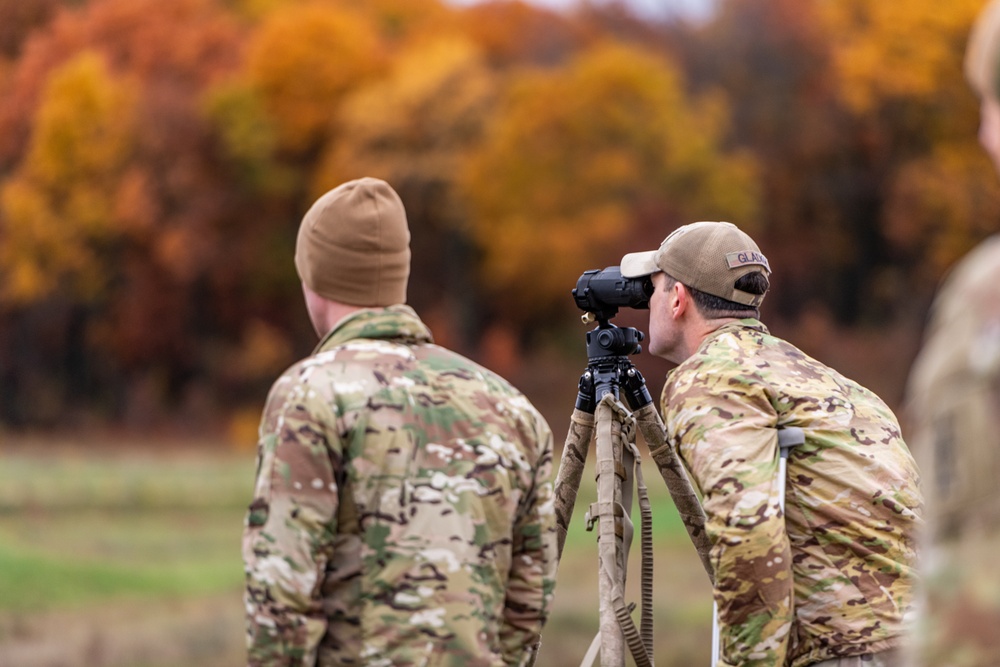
pixel 136 558
pixel 77 529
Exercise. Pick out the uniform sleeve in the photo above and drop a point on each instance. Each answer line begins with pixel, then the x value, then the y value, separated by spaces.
pixel 724 428
pixel 533 564
pixel 289 529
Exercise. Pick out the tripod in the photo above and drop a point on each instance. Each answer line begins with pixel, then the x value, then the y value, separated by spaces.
pixel 610 376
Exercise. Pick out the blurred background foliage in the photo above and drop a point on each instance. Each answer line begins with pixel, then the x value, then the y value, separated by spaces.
pixel 156 158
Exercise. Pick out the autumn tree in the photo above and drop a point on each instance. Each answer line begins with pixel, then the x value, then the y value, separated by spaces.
pixel 302 62
pixel 845 103
pixel 936 208
pixel 884 51
pixel 516 33
pixel 604 154
pixel 156 159
pixel 113 208
pixel 400 22
pixel 772 60
pixel 899 70
pixel 60 207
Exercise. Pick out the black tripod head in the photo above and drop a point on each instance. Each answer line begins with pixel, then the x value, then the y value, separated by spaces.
pixel 609 369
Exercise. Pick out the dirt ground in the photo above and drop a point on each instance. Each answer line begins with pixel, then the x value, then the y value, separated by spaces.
pixel 199 632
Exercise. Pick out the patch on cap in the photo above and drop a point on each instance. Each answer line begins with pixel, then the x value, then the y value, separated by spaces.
pixel 746 258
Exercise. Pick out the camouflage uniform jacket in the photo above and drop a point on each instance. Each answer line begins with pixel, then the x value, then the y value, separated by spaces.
pixel 954 413
pixel 833 575
pixel 954 395
pixel 402 513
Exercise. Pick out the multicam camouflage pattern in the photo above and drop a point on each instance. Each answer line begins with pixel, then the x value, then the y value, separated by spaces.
pixel 403 510
pixel 832 576
pixel 953 411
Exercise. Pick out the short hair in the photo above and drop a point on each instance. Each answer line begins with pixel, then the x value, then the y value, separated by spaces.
pixel 712 307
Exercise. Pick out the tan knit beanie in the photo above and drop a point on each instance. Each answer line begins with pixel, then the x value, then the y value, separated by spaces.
pixel 354 245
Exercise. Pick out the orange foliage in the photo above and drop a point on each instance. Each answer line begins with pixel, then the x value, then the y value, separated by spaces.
pixel 182 44
pixel 512 32
pixel 62 200
pixel 893 49
pixel 572 156
pixel 402 20
pixel 418 124
pixel 303 60
pixel 156 157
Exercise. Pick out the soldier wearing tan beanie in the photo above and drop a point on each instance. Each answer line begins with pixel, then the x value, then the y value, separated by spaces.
pixel 401 489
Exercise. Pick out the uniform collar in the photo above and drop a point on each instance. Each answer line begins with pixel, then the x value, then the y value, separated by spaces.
pixel 734 327
pixel 738 325
pixel 398 323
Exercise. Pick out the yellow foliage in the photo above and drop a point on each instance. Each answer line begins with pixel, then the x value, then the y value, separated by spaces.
pixel 63 196
pixel 891 49
pixel 247 135
pixel 418 123
pixel 402 19
pixel 393 19
pixel 575 152
pixel 303 60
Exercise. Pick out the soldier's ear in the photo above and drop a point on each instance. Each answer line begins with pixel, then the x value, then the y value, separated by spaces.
pixel 678 300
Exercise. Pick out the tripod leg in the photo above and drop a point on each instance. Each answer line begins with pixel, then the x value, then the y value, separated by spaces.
pixel 574 458
pixel 611 565
pixel 615 431
pixel 678 483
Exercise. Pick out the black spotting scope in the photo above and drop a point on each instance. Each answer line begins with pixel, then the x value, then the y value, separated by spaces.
pixel 601 292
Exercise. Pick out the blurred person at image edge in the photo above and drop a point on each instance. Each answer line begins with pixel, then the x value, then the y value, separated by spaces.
pixel 402 513
pixel 953 407
pixel 828 581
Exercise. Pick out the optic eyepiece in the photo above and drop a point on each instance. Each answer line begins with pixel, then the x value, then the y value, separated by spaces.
pixel 603 291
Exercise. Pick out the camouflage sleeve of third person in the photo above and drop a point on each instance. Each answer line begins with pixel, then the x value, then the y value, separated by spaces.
pixel 724 427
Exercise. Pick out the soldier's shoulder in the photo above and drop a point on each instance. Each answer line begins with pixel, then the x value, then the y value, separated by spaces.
pixel 450 362
pixel 488 384
pixel 353 358
pixel 981 266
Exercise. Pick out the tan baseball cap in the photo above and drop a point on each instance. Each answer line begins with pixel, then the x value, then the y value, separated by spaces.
pixel 354 245
pixel 708 256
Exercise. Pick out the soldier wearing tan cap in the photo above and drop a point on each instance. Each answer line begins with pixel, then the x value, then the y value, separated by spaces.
pixel 953 406
pixel 829 580
pixel 402 510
